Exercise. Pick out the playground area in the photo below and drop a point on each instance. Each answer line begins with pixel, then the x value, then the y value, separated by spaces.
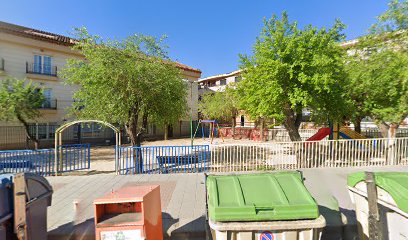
pixel 210 153
pixel 246 155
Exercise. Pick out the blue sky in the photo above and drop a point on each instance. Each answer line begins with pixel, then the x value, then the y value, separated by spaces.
pixel 207 35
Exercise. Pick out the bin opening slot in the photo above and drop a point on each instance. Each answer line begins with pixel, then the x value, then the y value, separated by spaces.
pixel 117 213
pixel 265 210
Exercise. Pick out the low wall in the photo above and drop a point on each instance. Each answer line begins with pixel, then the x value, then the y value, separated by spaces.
pixel 244 133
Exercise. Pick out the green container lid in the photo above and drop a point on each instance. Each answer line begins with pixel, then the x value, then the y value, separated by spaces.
pixel 259 197
pixel 395 183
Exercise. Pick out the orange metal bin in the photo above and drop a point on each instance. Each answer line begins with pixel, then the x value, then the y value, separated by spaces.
pixel 129 213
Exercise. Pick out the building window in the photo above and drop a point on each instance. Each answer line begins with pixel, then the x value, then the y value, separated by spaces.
pixel 238 79
pixel 43 130
pixel 91 128
pixel 242 120
pixel 223 82
pixel 42 65
pixel 47 98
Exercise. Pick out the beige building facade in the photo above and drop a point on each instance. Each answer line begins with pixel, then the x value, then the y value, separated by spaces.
pixel 218 83
pixel 38 56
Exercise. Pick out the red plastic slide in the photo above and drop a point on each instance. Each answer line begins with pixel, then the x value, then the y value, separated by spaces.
pixel 322 133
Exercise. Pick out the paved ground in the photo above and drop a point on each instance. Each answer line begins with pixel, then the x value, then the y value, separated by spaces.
pixel 71 213
pixel 183 201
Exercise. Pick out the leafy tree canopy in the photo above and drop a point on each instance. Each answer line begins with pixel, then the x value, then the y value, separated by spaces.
pixel 292 69
pixel 20 101
pixel 378 72
pixel 126 82
pixel 221 105
pixel 394 19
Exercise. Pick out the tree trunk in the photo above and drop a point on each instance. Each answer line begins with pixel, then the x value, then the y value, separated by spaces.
pixel 132 131
pixel 262 129
pixel 293 132
pixel 29 137
pixel 389 131
pixel 233 126
pixel 357 124
pixel 135 134
pixel 292 123
pixel 166 132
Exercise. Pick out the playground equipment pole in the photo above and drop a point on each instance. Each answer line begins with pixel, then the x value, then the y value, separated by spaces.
pixel 191 112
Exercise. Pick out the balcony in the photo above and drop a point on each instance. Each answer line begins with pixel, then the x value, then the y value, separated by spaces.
pixel 41 69
pixel 49 104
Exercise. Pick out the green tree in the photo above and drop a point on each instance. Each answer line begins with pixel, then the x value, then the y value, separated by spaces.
pixel 127 82
pixel 378 72
pixel 394 19
pixel 221 105
pixel 379 89
pixel 292 69
pixel 20 101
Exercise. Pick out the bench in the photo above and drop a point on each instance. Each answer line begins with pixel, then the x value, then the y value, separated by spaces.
pixel 172 161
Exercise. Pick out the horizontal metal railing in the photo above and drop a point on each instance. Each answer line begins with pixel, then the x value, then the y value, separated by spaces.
pixel 376 133
pixel 41 69
pixel 313 154
pixel 163 159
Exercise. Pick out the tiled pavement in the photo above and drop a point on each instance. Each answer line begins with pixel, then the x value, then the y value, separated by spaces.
pixel 71 213
pixel 183 201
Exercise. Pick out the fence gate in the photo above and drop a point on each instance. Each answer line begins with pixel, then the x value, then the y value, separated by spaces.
pixel 164 159
pixel 58 142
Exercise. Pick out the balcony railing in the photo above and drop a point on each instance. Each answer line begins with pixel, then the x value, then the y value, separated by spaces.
pixel 49 104
pixel 42 69
pixel 1 64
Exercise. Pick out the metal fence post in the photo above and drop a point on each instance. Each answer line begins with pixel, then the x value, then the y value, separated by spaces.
pixel 89 155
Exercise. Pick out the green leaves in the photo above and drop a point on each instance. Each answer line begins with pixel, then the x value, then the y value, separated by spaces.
pixel 394 19
pixel 121 81
pixel 295 68
pixel 378 68
pixel 379 85
pixel 19 100
pixel 220 105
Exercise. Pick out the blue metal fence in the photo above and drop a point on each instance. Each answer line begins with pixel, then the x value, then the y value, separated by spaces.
pixel 74 157
pixel 164 159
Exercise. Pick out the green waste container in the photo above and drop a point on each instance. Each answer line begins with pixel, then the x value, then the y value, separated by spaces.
pixel 392 199
pixel 262 206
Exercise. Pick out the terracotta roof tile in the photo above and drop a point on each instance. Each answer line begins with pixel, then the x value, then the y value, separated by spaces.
pixel 36 34
pixel 188 68
pixel 56 38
